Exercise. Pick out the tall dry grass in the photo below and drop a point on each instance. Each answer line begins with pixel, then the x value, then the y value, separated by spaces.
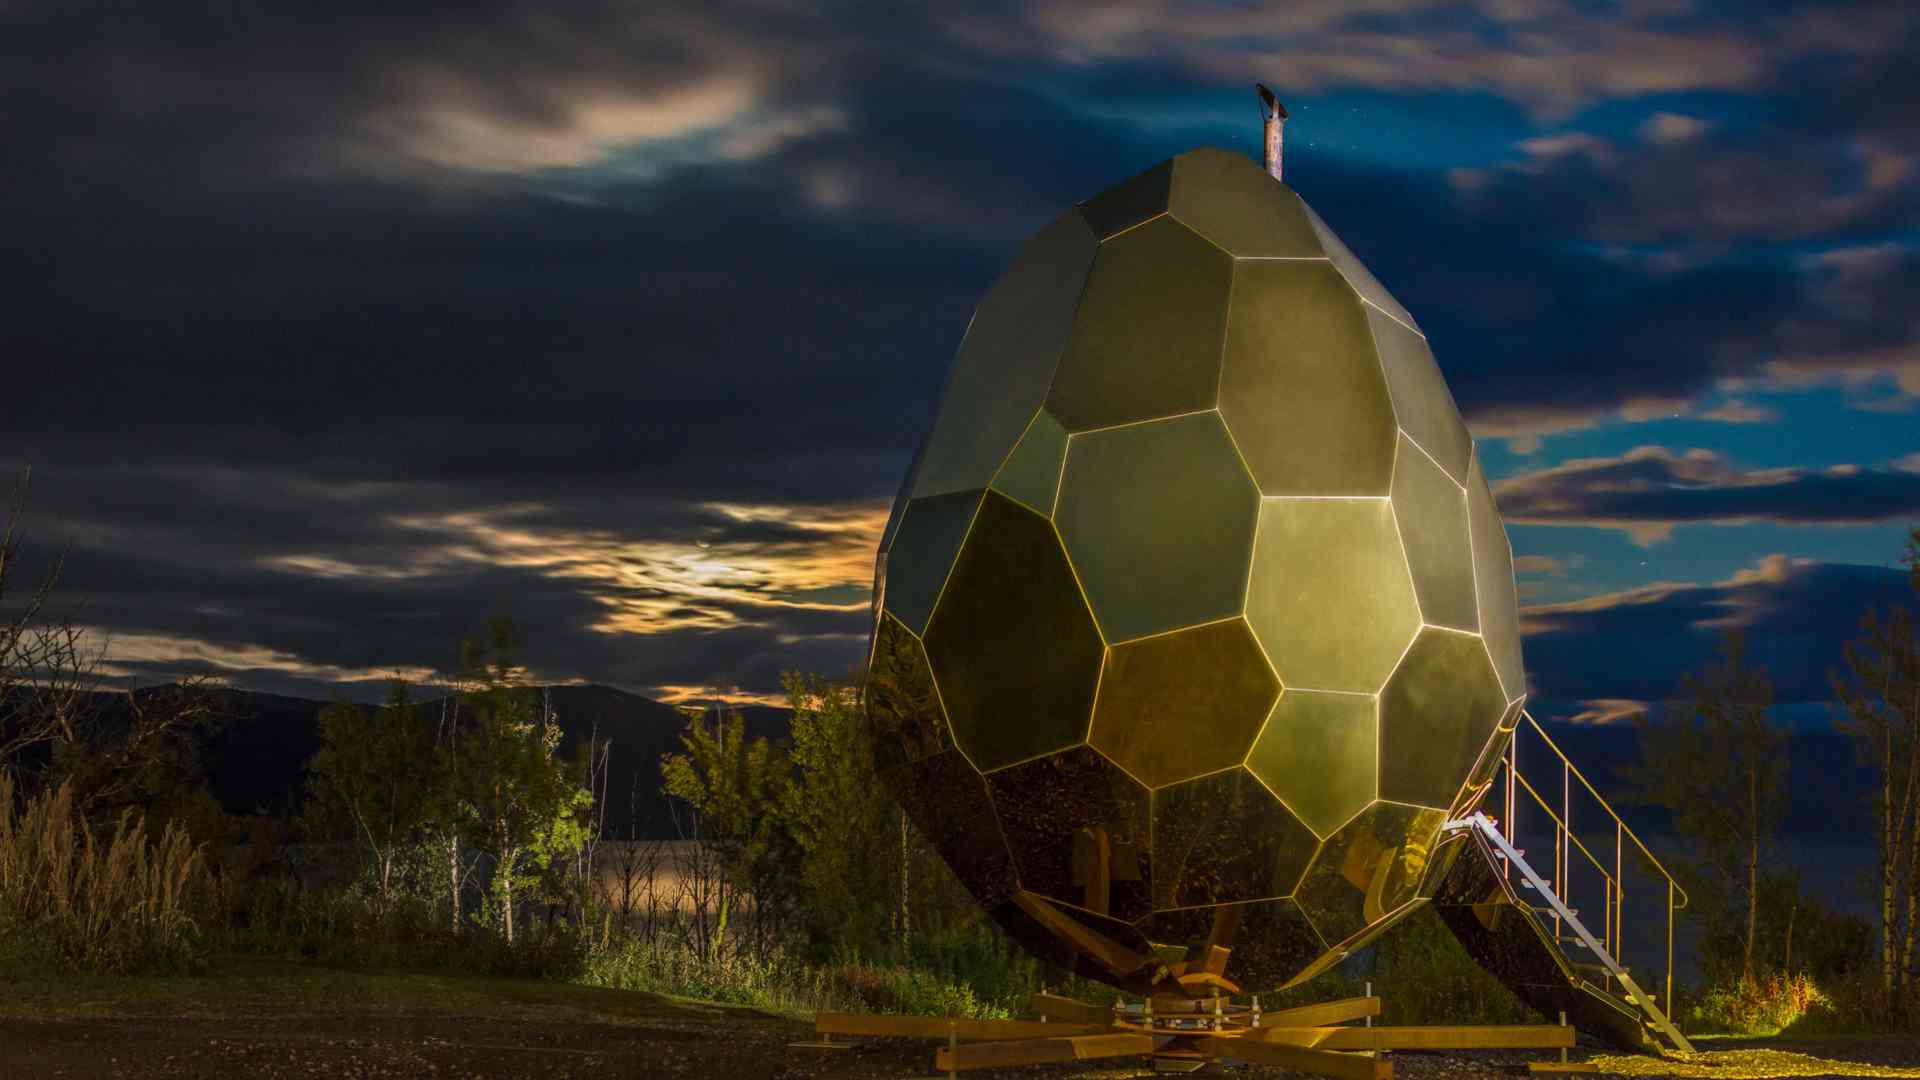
pixel 113 903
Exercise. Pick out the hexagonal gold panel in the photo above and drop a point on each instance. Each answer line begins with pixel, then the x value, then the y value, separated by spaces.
pixel 1371 867
pixel 904 717
pixel 923 549
pixel 1224 838
pixel 1146 338
pixel 1158 519
pixel 1068 814
pixel 1232 202
pixel 1012 645
pixel 1436 714
pixel 1320 754
pixel 1300 385
pixel 1431 513
pixel 1130 202
pixel 1356 271
pixel 1493 579
pixel 1180 704
pixel 1329 597
pixel 1421 399
pixel 1032 472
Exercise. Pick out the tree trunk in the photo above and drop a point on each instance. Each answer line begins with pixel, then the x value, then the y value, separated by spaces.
pixel 903 884
pixel 453 876
pixel 1753 861
pixel 506 901
pixel 1887 854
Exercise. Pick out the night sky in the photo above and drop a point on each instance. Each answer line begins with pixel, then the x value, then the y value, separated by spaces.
pixel 331 329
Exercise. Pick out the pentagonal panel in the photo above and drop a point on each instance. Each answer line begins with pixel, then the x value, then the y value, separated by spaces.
pixel 1007 361
pixel 1356 271
pixel 1431 512
pixel 1493 580
pixel 1146 339
pixel 923 550
pixel 1436 713
pixel 1330 599
pixel 1224 838
pixel 1134 200
pixel 1421 399
pixel 1232 202
pixel 1320 754
pixel 904 718
pixel 1032 472
pixel 946 799
pixel 1181 704
pixel 1372 866
pixel 1013 647
pixel 1078 827
pixel 1159 521
pixel 1300 385
pixel 1271 941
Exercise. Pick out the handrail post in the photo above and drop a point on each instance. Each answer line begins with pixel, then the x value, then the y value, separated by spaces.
pixel 1669 946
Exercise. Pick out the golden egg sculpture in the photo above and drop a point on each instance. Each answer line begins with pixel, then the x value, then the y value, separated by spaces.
pixel 1194 617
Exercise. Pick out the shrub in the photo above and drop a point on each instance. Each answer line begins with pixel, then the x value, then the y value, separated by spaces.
pixel 1760 1006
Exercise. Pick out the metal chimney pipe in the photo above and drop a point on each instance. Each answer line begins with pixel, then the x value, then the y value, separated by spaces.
pixel 1275 115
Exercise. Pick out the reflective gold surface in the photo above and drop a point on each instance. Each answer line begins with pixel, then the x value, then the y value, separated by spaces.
pixel 1356 272
pixel 904 716
pixel 1006 363
pixel 1368 869
pixel 1046 804
pixel 1300 385
pixel 923 549
pixel 1493 575
pixel 1177 705
pixel 1158 519
pixel 1232 202
pixel 1146 337
pixel 1224 838
pixel 1330 598
pixel 1436 715
pixel 1013 648
pixel 947 801
pixel 1421 399
pixel 1430 511
pixel 1031 474
pixel 1129 202
pixel 1317 754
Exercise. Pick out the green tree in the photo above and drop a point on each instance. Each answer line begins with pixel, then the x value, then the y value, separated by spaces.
pixel 848 830
pixel 1721 772
pixel 1880 699
pixel 514 797
pixel 372 777
pixel 737 789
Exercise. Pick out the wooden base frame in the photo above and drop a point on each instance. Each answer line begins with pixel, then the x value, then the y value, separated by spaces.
pixel 1182 1034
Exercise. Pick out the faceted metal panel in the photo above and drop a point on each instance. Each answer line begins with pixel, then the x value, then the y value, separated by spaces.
pixel 947 801
pixel 1007 361
pixel 903 711
pixel 1013 647
pixel 1231 201
pixel 1448 849
pixel 1032 472
pixel 1300 385
pixel 930 533
pixel 1320 754
pixel 1372 866
pixel 1181 704
pixel 1431 513
pixel 1089 945
pixel 1158 519
pixel 1130 202
pixel 1487 764
pixel 1036 939
pixel 1493 577
pixel 1421 399
pixel 1271 943
pixel 1330 598
pixel 1436 714
pixel 1224 838
pixel 1056 809
pixel 1146 338
pixel 1356 271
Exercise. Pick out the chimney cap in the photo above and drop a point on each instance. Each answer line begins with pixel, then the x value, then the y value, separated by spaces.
pixel 1271 103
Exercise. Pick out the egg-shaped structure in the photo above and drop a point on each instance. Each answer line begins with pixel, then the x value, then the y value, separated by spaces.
pixel 1194 617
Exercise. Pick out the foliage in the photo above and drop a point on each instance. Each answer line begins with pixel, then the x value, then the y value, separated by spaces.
pixel 1426 977
pixel 1765 1006
pixel 366 782
pixel 848 833
pixel 1721 773
pixel 115 903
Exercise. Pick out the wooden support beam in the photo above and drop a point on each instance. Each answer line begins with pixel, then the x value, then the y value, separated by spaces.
pixel 1326 1012
pixel 1055 1007
pixel 1205 984
pixel 936 1027
pixel 1549 1068
pixel 1000 1055
pixel 1216 960
pixel 1299 1059
pixel 1436 1037
pixel 1105 951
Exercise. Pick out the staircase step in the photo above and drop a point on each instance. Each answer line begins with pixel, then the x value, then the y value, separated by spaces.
pixel 1601 968
pixel 1571 941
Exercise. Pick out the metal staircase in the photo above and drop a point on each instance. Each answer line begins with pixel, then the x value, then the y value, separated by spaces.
pixel 1519 922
